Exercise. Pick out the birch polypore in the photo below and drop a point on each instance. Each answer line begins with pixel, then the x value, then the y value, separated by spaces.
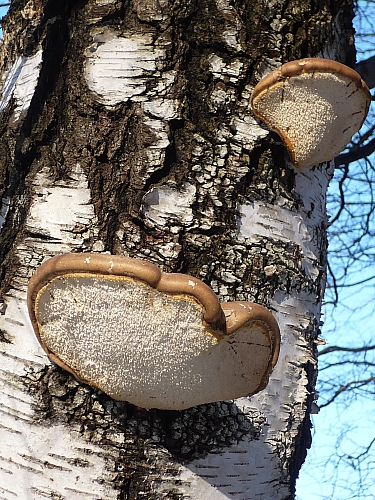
pixel 315 105
pixel 156 340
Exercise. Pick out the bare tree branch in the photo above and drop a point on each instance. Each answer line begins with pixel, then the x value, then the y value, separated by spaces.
pixel 366 69
pixel 354 384
pixel 366 280
pixel 347 362
pixel 342 197
pixel 334 283
pixel 366 450
pixel 335 348
pixel 355 154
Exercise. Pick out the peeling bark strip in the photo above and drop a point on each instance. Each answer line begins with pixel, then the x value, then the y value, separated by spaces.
pixel 117 69
pixel 20 83
pixel 126 129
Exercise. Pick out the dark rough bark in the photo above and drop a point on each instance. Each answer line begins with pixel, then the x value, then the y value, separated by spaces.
pixel 66 125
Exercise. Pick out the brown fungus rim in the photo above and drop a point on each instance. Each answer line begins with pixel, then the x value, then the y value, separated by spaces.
pixel 127 267
pixel 222 319
pixel 310 65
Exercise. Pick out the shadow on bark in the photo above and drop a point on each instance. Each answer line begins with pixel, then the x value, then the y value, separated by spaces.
pixel 187 434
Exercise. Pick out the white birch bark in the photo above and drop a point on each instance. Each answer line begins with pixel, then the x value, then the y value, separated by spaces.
pixel 90 452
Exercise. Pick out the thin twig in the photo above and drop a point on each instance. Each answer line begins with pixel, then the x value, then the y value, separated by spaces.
pixel 366 450
pixel 349 386
pixel 342 196
pixel 356 154
pixel 334 284
pixel 335 348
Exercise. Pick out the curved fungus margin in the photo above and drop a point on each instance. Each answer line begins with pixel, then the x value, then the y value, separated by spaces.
pixel 155 339
pixel 315 105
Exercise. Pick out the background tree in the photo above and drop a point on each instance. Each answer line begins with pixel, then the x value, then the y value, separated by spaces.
pixel 126 129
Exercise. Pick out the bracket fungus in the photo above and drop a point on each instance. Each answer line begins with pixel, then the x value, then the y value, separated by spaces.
pixel 157 340
pixel 315 105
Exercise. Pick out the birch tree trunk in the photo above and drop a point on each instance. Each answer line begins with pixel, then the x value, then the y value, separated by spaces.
pixel 126 128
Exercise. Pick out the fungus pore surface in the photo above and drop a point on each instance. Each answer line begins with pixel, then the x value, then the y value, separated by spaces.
pixel 315 105
pixel 164 348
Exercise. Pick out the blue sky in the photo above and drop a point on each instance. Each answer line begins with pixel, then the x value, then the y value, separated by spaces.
pixel 336 467
pixel 340 429
pixel 3 11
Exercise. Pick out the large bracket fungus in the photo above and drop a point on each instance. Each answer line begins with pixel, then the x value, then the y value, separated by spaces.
pixel 157 340
pixel 315 105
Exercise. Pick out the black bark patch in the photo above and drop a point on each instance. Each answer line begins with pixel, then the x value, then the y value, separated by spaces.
pixel 5 338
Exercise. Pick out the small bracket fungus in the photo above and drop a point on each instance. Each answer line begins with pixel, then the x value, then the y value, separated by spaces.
pixel 155 339
pixel 315 105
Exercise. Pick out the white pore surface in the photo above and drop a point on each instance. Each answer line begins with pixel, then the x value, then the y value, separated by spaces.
pixel 146 347
pixel 316 112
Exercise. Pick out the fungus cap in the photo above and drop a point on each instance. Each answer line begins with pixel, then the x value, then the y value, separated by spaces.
pixel 315 105
pixel 155 339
